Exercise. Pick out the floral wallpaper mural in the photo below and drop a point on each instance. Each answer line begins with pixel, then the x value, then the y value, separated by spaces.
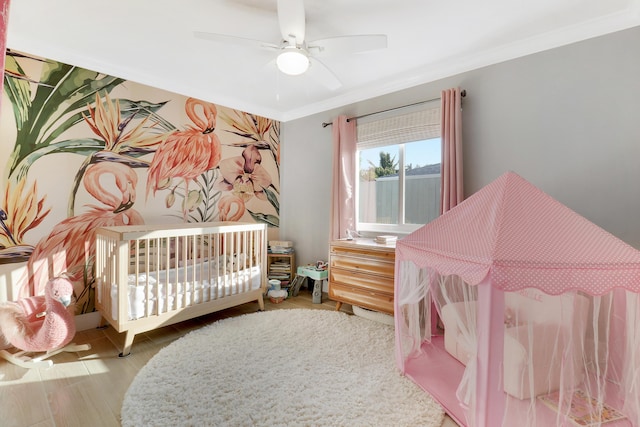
pixel 85 150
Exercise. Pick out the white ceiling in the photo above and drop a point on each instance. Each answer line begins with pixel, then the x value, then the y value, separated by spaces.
pixel 152 42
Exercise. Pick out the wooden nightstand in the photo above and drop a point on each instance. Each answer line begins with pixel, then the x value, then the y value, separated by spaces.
pixel 281 266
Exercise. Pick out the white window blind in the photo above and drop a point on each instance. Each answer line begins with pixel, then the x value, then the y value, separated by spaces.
pixel 415 126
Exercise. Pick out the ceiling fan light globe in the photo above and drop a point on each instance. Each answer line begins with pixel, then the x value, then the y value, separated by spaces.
pixel 292 62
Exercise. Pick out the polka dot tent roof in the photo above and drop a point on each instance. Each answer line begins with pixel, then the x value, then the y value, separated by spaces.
pixel 518 237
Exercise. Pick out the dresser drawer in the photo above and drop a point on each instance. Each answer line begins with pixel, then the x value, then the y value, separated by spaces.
pixel 381 253
pixel 361 298
pixel 367 282
pixel 374 265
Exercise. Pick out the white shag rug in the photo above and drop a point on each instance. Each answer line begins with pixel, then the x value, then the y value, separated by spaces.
pixel 296 367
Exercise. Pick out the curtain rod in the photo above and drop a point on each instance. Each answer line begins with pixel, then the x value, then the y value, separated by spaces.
pixel 463 93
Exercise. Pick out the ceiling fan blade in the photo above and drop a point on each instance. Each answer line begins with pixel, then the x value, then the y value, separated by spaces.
pixel 238 41
pixel 321 73
pixel 292 20
pixel 346 45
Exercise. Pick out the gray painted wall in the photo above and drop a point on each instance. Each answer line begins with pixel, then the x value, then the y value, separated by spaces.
pixel 567 120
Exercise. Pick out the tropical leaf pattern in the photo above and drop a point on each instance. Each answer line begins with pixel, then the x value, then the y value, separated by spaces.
pixel 59 102
pixel 206 210
pixel 17 89
pixel 23 211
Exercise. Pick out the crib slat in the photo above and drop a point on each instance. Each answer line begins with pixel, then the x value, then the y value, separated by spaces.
pixel 241 282
pixel 195 277
pixel 225 251
pixel 148 287
pixel 217 249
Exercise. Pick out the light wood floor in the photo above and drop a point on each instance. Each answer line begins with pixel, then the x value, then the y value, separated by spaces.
pixel 87 388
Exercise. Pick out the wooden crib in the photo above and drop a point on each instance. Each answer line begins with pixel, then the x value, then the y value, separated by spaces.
pixel 148 276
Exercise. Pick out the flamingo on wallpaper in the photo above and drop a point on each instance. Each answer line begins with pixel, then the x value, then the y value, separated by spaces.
pixel 72 241
pixel 189 153
pixel 231 208
pixel 39 323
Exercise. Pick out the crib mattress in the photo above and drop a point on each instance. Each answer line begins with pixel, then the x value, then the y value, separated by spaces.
pixel 158 292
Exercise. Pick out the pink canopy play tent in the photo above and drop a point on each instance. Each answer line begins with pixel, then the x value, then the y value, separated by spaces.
pixel 512 309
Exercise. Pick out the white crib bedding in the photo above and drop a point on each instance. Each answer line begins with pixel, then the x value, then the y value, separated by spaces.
pixel 181 289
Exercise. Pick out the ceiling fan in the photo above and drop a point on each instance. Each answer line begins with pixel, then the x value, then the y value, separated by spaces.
pixel 294 54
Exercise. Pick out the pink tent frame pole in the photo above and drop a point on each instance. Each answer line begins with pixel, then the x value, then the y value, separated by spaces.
pixel 396 317
pixel 490 399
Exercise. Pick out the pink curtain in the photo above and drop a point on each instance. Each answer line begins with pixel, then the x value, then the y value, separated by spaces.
pixel 343 202
pixel 451 188
pixel 4 21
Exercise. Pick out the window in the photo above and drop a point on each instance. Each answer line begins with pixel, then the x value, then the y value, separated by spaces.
pixel 398 188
